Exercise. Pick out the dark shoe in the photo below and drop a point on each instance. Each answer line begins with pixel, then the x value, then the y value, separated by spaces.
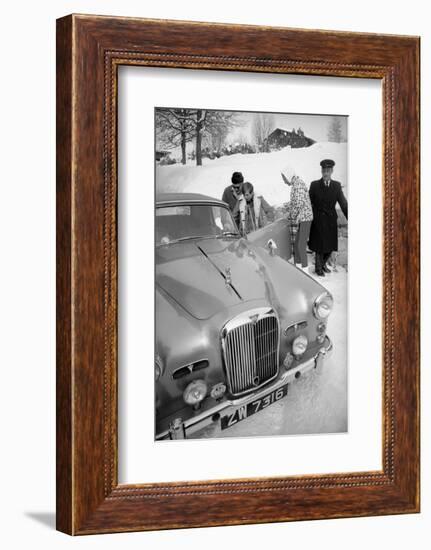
pixel 326 269
pixel 319 273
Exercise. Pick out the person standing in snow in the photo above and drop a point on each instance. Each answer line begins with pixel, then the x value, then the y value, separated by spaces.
pixel 233 193
pixel 253 211
pixel 324 195
pixel 299 213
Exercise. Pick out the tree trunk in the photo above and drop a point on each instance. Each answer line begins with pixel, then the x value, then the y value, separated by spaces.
pixel 199 125
pixel 198 149
pixel 183 148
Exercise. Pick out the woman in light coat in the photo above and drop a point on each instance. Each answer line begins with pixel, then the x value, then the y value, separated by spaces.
pixel 299 212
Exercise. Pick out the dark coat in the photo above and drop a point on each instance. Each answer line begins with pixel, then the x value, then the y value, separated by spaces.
pixel 231 200
pixel 324 229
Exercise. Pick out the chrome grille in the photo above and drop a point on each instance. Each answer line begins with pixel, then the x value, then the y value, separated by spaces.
pixel 250 346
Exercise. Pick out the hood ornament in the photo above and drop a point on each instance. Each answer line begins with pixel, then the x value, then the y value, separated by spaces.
pixel 272 247
pixel 228 276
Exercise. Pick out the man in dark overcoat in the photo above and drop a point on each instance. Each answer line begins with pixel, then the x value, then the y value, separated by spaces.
pixel 324 195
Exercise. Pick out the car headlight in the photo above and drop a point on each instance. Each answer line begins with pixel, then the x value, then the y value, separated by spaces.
pixel 195 392
pixel 299 345
pixel 158 367
pixel 322 307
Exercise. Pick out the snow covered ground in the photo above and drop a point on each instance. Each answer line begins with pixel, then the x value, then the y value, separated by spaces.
pixel 261 169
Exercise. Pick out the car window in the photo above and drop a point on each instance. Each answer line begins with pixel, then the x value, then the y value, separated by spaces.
pixel 176 223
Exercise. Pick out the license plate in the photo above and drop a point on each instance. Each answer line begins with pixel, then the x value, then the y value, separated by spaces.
pixel 253 407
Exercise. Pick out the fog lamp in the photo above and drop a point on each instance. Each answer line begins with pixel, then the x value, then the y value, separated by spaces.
pixel 195 392
pixel 288 360
pixel 321 329
pixel 299 345
pixel 218 390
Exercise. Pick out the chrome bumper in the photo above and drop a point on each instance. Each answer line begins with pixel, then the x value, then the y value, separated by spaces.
pixel 180 429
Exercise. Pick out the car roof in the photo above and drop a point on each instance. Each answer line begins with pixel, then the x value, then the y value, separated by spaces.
pixel 188 198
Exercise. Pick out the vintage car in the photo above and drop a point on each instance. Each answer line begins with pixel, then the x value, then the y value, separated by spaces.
pixel 235 322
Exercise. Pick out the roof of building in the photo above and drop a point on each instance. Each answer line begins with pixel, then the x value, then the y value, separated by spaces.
pixel 282 130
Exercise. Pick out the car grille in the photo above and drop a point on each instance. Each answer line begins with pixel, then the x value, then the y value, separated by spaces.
pixel 250 345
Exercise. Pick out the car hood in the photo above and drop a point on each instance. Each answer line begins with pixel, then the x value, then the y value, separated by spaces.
pixel 207 275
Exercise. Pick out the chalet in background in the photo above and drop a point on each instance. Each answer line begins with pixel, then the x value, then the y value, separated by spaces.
pixel 280 138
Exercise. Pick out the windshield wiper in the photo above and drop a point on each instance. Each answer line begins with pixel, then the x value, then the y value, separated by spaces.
pixel 186 239
pixel 228 234
pixel 191 237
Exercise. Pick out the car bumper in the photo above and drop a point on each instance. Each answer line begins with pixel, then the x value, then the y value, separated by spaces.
pixel 180 429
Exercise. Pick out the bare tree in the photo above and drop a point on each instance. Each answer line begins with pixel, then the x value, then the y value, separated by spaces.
pixel 215 126
pixel 200 125
pixel 216 135
pixel 219 124
pixel 261 128
pixel 335 130
pixel 175 127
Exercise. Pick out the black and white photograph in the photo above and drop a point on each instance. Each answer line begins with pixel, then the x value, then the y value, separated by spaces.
pixel 251 273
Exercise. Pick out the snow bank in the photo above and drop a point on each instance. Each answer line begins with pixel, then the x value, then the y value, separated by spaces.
pixel 261 169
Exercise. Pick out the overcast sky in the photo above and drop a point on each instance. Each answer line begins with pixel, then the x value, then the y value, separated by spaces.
pixel 314 126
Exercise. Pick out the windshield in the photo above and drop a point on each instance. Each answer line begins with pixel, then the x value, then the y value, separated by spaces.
pixel 179 223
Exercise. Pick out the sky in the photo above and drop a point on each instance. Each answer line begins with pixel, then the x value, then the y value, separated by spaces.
pixel 314 126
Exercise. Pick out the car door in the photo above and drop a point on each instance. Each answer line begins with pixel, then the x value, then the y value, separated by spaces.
pixel 279 232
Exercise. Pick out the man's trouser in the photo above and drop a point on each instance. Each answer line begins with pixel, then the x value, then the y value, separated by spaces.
pixel 321 259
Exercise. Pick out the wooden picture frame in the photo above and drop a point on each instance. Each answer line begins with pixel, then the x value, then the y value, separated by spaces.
pixel 89 51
